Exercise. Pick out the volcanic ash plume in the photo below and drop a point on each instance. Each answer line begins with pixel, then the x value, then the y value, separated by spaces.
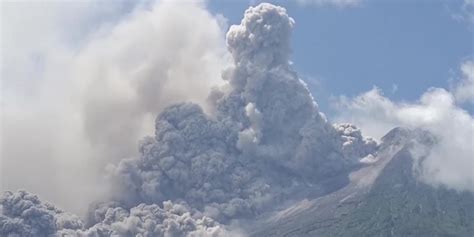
pixel 264 143
pixel 265 140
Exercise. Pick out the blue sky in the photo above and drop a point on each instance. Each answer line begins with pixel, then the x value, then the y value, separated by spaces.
pixel 410 45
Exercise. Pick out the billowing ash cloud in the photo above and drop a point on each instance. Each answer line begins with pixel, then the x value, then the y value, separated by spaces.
pixel 23 214
pixel 354 144
pixel 264 141
pixel 152 220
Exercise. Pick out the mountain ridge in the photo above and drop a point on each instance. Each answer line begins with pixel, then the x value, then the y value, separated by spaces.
pixel 383 199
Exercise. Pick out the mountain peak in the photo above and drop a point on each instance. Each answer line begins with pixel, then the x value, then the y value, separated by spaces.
pixel 406 136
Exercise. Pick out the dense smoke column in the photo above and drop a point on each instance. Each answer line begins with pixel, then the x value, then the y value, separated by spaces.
pixel 280 120
pixel 265 140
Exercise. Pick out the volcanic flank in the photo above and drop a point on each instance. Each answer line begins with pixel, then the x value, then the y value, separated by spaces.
pixel 385 198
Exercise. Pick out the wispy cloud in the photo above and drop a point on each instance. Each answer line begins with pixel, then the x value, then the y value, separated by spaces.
pixel 465 12
pixel 337 3
pixel 463 90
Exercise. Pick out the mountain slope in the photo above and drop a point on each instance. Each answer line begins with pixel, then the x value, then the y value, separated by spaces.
pixel 382 199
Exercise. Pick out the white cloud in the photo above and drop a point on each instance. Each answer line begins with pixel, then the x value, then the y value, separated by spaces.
pixel 338 3
pixel 373 102
pixel 40 132
pixel 82 81
pixel 451 161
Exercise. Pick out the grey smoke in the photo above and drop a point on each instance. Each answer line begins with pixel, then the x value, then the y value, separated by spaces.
pixel 25 215
pixel 265 140
pixel 354 144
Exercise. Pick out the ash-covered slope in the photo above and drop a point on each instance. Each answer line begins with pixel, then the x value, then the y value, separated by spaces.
pixel 383 199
